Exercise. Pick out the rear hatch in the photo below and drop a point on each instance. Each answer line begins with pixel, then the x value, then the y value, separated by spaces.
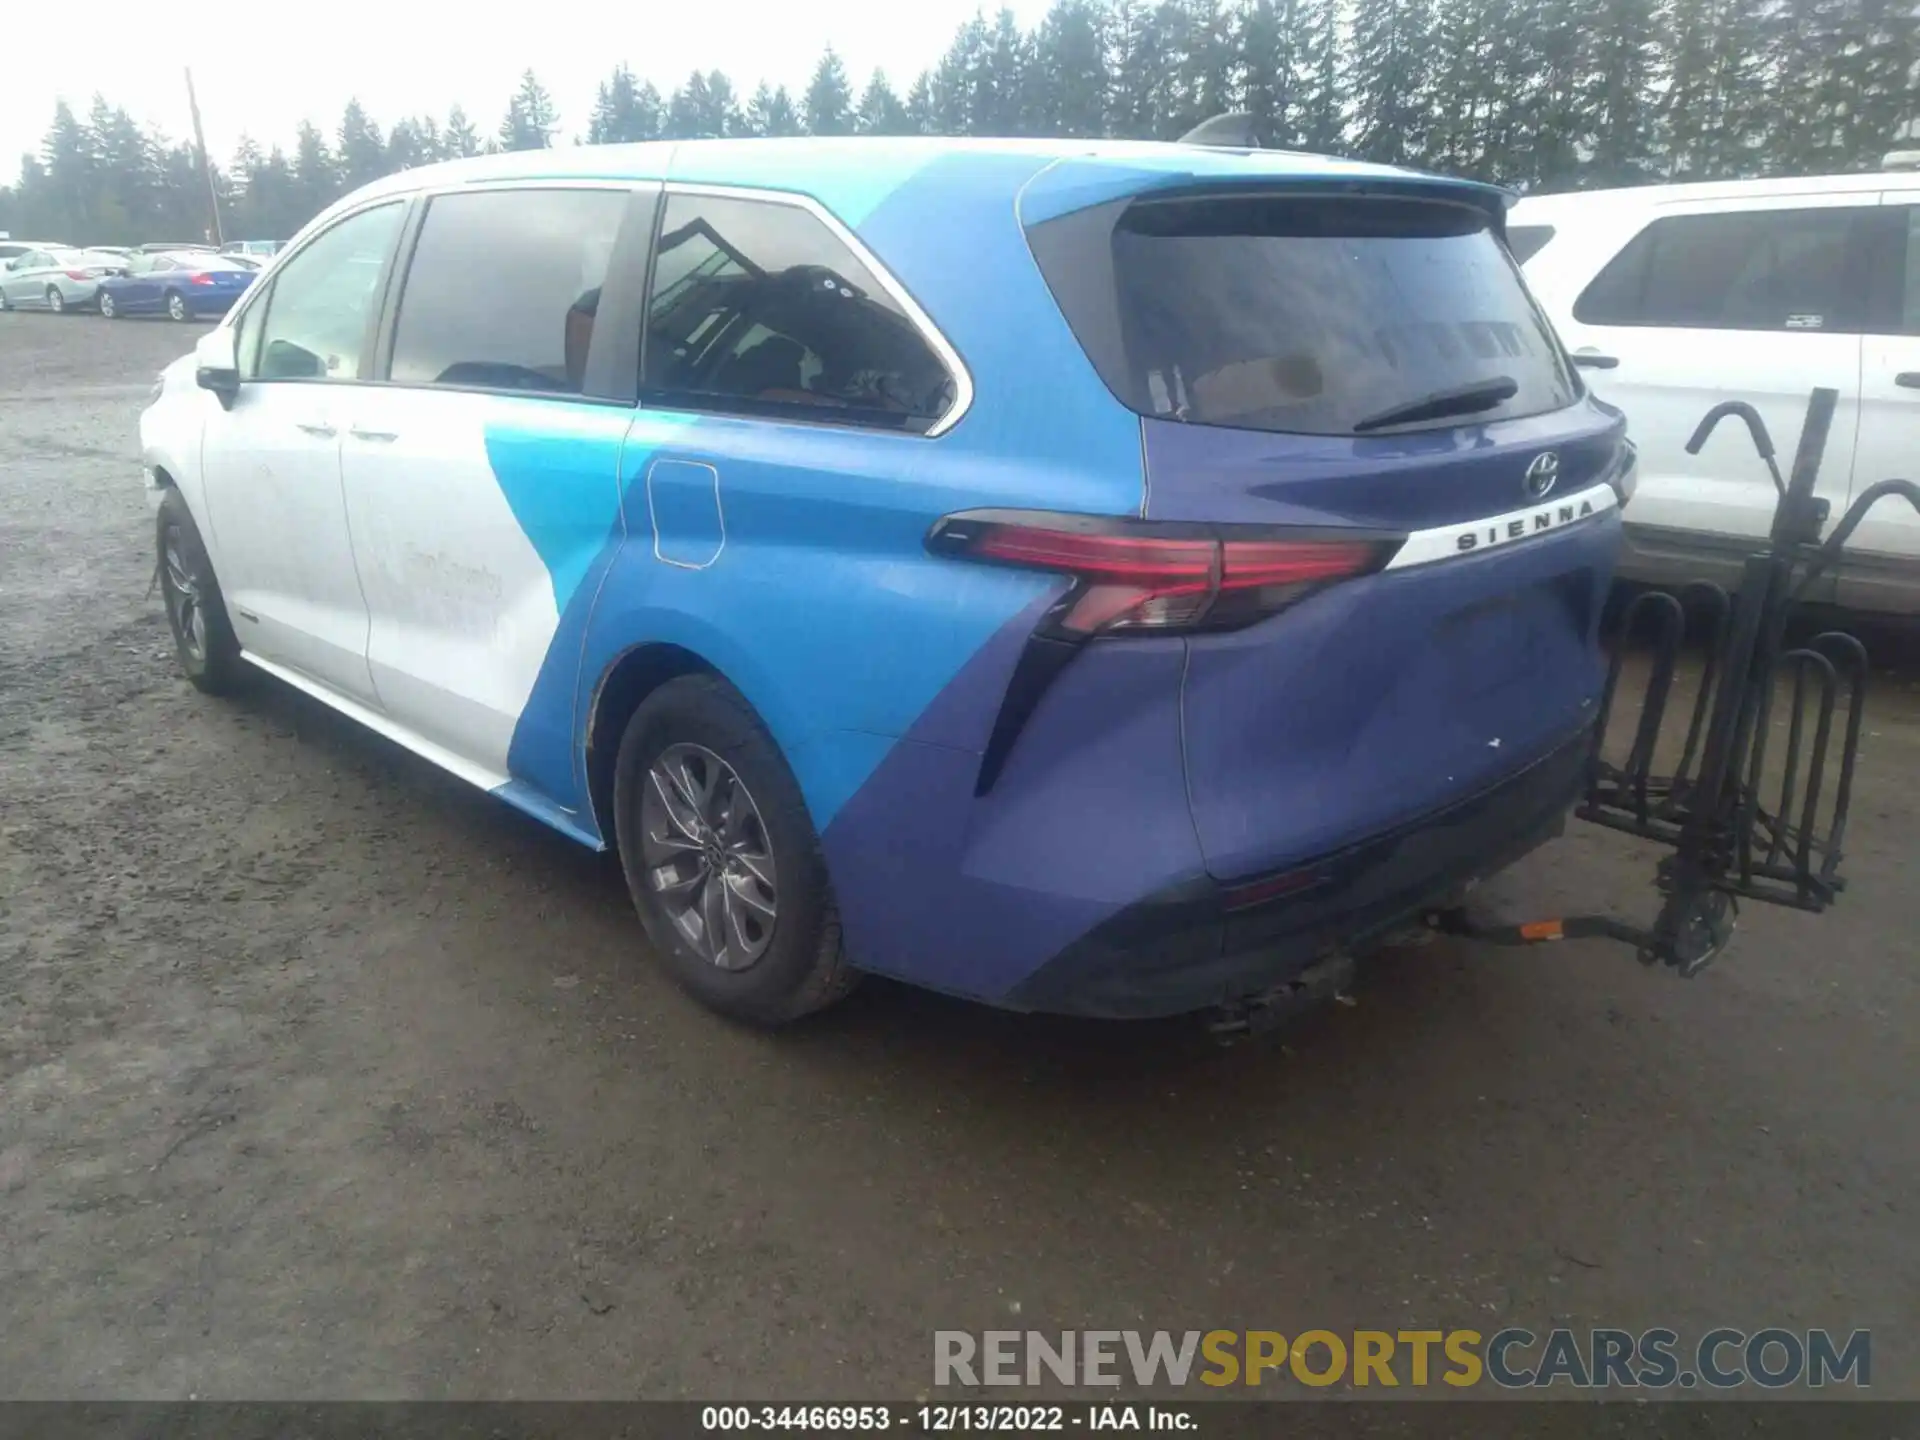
pixel 1355 359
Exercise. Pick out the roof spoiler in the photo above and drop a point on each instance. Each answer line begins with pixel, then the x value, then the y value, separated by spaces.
pixel 1236 130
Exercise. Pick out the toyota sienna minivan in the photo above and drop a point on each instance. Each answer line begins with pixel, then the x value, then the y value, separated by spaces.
pixel 1094 578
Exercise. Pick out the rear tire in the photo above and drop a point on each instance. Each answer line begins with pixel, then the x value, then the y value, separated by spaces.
pixel 56 302
pixel 177 306
pixel 108 310
pixel 203 637
pixel 711 823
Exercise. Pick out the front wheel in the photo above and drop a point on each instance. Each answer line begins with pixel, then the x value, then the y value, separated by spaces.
pixel 56 302
pixel 721 857
pixel 177 306
pixel 203 637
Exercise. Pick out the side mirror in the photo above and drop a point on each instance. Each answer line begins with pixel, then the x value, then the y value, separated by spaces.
pixel 216 365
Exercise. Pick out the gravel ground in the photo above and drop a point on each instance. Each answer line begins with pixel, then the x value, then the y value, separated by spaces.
pixel 321 1075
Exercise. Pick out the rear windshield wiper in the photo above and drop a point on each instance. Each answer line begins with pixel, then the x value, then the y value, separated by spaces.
pixel 1461 400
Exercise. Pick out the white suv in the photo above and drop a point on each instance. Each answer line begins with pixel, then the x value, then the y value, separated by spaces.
pixel 1674 297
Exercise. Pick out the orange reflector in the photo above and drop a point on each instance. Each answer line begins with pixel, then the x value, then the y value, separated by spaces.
pixel 1541 930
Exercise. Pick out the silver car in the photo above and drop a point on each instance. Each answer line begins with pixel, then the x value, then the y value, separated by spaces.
pixel 55 280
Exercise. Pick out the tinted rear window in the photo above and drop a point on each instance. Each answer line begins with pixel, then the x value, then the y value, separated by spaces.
pixel 1800 269
pixel 1526 241
pixel 1305 315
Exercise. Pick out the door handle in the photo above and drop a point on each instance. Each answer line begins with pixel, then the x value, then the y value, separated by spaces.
pixel 325 432
pixel 1908 379
pixel 360 434
pixel 1594 360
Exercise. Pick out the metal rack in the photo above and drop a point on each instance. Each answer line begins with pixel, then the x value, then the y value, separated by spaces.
pixel 1734 833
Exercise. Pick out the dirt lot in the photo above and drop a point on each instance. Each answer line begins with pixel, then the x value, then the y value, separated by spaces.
pixel 321 1075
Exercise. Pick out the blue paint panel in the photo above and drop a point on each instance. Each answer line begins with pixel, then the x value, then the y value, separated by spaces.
pixel 546 462
pixel 970 894
pixel 577 827
pixel 1386 698
pixel 823 607
pixel 558 465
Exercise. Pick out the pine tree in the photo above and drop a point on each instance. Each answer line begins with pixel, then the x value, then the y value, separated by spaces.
pixel 920 105
pixel 1204 84
pixel 1004 100
pixel 1623 79
pixel 406 147
pixel 828 105
pixel 1263 54
pixel 1133 67
pixel 1553 128
pixel 67 157
pixel 1319 66
pixel 772 112
pixel 362 153
pixel 316 179
pixel 880 111
pixel 1387 79
pixel 530 119
pixel 1714 102
pixel 128 176
pixel 1070 70
pixel 610 105
pixel 461 140
pixel 703 109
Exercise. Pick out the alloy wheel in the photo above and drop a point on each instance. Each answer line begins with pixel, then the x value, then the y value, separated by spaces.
pixel 185 609
pixel 56 301
pixel 106 305
pixel 176 307
pixel 707 856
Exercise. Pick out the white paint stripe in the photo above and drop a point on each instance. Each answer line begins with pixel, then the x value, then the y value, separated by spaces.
pixel 1470 537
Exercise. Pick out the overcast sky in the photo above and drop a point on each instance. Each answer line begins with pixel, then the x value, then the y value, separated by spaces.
pixel 262 68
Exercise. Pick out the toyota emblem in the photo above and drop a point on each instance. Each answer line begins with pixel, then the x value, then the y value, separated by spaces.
pixel 1543 474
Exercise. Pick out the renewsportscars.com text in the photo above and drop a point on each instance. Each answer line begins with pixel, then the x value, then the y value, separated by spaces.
pixel 1515 1359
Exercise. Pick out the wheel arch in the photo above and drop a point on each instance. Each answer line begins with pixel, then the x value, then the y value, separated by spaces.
pixel 623 685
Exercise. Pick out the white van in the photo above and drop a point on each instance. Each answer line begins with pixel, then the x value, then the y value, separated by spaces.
pixel 1675 297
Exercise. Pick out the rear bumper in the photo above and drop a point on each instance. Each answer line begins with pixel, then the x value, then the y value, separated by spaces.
pixel 1203 944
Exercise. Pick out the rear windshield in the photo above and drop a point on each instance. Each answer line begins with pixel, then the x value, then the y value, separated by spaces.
pixel 1321 316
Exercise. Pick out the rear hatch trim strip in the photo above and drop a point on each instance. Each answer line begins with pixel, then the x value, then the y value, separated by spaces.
pixel 1470 537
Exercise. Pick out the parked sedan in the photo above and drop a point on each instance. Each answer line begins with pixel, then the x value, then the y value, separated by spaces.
pixel 55 280
pixel 14 249
pixel 181 285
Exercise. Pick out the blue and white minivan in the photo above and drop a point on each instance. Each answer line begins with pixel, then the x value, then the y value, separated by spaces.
pixel 1085 577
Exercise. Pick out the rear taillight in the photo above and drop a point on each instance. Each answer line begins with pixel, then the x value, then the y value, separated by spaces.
pixel 80 274
pixel 200 279
pixel 1131 575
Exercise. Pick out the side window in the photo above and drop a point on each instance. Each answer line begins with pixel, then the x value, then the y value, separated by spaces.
pixel 1738 270
pixel 1526 241
pixel 159 264
pixel 316 318
pixel 503 289
pixel 1904 263
pixel 757 307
